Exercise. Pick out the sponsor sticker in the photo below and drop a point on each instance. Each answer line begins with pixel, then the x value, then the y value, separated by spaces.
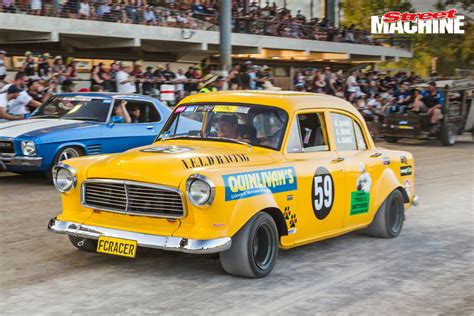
pixel 191 108
pixel 359 202
pixel 205 108
pixel 386 160
pixel 406 170
pixel 247 184
pixel 180 109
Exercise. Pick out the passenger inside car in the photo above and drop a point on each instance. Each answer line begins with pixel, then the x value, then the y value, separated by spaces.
pixel 135 114
pixel 121 113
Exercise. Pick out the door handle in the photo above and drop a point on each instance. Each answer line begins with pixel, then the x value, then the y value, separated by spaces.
pixel 149 127
pixel 337 160
pixel 375 155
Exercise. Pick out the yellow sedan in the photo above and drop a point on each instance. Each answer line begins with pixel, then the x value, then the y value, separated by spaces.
pixel 241 174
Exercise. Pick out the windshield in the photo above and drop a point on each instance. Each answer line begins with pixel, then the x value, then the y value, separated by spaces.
pixel 74 108
pixel 249 124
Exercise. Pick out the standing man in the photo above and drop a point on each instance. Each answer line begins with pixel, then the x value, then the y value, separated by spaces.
pixel 43 67
pixel 29 66
pixel 125 83
pixel 147 85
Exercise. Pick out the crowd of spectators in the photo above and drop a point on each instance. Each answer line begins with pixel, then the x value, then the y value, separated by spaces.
pixel 374 93
pixel 252 19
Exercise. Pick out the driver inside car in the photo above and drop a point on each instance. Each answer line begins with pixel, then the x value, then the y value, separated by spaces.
pixel 227 127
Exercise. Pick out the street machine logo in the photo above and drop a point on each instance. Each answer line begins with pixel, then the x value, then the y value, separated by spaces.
pixel 441 22
pixel 247 184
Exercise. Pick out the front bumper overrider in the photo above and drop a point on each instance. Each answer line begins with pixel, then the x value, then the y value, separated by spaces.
pixel 194 246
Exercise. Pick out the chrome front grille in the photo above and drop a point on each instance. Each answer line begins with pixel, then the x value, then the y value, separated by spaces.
pixel 134 198
pixel 6 147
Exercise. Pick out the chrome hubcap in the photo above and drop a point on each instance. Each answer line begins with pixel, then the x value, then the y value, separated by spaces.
pixel 68 153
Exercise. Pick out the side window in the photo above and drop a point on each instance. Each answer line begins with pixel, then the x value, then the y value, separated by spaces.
pixel 308 134
pixel 361 145
pixel 347 133
pixel 142 111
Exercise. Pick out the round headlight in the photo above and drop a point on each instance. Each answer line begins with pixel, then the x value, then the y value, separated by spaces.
pixel 64 178
pixel 28 148
pixel 200 190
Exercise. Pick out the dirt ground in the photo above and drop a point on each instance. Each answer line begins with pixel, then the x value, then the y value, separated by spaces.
pixel 428 269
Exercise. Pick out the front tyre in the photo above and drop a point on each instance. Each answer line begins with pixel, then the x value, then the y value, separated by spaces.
pixel 64 154
pixel 388 222
pixel 254 248
pixel 84 244
pixel 448 134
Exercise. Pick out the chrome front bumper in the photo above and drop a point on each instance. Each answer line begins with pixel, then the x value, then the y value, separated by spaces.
pixel 194 246
pixel 20 161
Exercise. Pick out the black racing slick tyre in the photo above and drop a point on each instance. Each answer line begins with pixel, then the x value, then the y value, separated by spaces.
pixel 254 248
pixel 388 222
pixel 448 134
pixel 84 244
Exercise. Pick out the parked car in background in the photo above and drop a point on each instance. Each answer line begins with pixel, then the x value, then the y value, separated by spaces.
pixel 256 171
pixel 79 124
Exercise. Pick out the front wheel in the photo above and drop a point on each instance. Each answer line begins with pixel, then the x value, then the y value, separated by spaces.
pixel 388 222
pixel 254 248
pixel 64 154
pixel 448 135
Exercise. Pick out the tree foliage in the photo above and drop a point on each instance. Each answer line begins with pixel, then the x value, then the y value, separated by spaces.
pixel 451 50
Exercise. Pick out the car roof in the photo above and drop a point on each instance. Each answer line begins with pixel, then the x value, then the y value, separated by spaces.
pixel 288 100
pixel 107 95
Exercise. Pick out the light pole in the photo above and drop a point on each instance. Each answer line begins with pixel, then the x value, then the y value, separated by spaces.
pixel 225 29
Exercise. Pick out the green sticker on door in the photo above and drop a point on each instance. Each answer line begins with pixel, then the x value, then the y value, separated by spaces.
pixel 359 202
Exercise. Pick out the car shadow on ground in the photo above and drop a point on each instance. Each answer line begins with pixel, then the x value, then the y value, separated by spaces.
pixel 27 178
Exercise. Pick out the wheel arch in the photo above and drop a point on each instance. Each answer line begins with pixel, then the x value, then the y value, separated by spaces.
pixel 277 216
pixel 386 185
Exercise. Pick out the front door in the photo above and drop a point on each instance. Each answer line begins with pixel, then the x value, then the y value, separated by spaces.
pixel 321 184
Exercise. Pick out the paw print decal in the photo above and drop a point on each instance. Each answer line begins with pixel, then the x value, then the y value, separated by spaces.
pixel 290 219
pixel 293 220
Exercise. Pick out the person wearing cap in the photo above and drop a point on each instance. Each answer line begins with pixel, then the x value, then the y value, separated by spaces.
pixel 44 67
pixel 207 84
pixel 25 103
pixel 68 86
pixel 402 98
pixel 5 98
pixel 58 70
pixel 29 66
pixel 227 126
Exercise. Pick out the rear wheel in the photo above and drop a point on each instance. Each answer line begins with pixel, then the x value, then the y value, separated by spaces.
pixel 391 139
pixel 388 222
pixel 448 134
pixel 84 244
pixel 254 248
pixel 64 154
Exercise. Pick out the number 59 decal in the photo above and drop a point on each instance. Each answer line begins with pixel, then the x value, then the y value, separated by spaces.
pixel 322 193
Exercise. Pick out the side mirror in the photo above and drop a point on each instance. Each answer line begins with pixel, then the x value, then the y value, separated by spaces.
pixel 115 119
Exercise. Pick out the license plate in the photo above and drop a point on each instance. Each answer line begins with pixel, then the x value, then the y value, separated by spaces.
pixel 117 246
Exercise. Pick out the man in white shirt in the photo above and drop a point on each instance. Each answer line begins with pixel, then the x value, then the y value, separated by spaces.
pixel 125 83
pixel 12 93
pixel 352 85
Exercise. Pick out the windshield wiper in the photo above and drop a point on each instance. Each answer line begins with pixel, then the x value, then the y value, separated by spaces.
pixel 45 116
pixel 230 140
pixel 208 138
pixel 82 118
